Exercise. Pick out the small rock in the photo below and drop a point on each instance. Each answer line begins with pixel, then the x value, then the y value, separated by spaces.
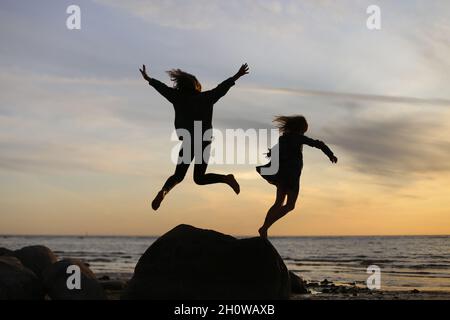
pixel 312 284
pixel 55 281
pixel 340 289
pixel 415 291
pixel 297 284
pixel 113 284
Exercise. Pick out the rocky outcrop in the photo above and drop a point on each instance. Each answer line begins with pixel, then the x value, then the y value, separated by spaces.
pixel 36 258
pixel 18 282
pixel 56 277
pixel 191 263
pixel 298 285
pixel 6 252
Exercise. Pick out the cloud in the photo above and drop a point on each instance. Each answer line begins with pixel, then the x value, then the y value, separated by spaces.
pixel 270 17
pixel 55 124
pixel 242 123
pixel 355 96
pixel 37 157
pixel 396 151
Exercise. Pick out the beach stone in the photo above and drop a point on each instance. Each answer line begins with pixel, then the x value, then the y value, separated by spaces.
pixel 113 284
pixel 6 252
pixel 298 286
pixel 192 263
pixel 18 282
pixel 36 258
pixel 312 284
pixel 55 282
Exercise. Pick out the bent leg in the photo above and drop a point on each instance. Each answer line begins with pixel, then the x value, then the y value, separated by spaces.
pixel 290 203
pixel 277 211
pixel 178 176
pixel 203 178
pixel 273 213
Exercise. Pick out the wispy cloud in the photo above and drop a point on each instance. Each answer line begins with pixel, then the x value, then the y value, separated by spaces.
pixel 356 96
pixel 270 17
pixel 396 151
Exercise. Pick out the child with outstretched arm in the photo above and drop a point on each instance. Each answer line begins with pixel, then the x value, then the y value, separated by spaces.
pixel 287 177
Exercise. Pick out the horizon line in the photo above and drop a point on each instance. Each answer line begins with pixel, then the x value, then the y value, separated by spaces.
pixel 239 236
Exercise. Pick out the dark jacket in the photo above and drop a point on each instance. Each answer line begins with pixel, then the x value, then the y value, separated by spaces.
pixel 192 106
pixel 291 149
pixel 290 153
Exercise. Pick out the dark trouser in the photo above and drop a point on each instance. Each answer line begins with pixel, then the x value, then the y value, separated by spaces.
pixel 200 175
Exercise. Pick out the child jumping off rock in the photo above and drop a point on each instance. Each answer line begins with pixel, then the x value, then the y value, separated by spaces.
pixel 290 155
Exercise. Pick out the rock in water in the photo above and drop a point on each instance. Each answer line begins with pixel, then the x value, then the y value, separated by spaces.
pixel 36 258
pixel 18 282
pixel 297 284
pixel 191 263
pixel 56 277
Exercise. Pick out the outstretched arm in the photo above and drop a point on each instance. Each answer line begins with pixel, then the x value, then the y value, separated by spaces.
pixel 164 90
pixel 322 146
pixel 222 89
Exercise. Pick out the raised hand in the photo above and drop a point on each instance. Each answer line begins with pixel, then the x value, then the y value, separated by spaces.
pixel 144 73
pixel 243 70
pixel 333 159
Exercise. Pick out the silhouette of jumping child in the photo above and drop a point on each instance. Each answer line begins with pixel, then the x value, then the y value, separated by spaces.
pixel 290 155
pixel 191 105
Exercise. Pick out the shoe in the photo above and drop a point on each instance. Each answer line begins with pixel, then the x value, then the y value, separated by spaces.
pixel 262 233
pixel 233 183
pixel 158 199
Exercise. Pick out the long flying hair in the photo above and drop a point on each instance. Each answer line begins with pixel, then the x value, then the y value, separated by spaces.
pixel 296 123
pixel 184 81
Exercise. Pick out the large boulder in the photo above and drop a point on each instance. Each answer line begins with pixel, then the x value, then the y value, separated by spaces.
pixel 57 275
pixel 191 263
pixel 36 258
pixel 18 282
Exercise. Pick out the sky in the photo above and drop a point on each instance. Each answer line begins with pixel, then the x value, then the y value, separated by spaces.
pixel 86 143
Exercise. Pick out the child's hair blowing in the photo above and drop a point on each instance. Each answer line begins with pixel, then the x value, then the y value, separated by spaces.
pixel 295 123
pixel 184 81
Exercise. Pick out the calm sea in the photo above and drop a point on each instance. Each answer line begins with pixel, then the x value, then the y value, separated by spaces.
pixel 406 262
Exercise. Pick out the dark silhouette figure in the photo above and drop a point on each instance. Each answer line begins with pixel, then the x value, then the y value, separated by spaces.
pixel 192 105
pixel 287 178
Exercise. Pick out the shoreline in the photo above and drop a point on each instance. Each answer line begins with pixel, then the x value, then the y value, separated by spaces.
pixel 111 267
pixel 114 284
